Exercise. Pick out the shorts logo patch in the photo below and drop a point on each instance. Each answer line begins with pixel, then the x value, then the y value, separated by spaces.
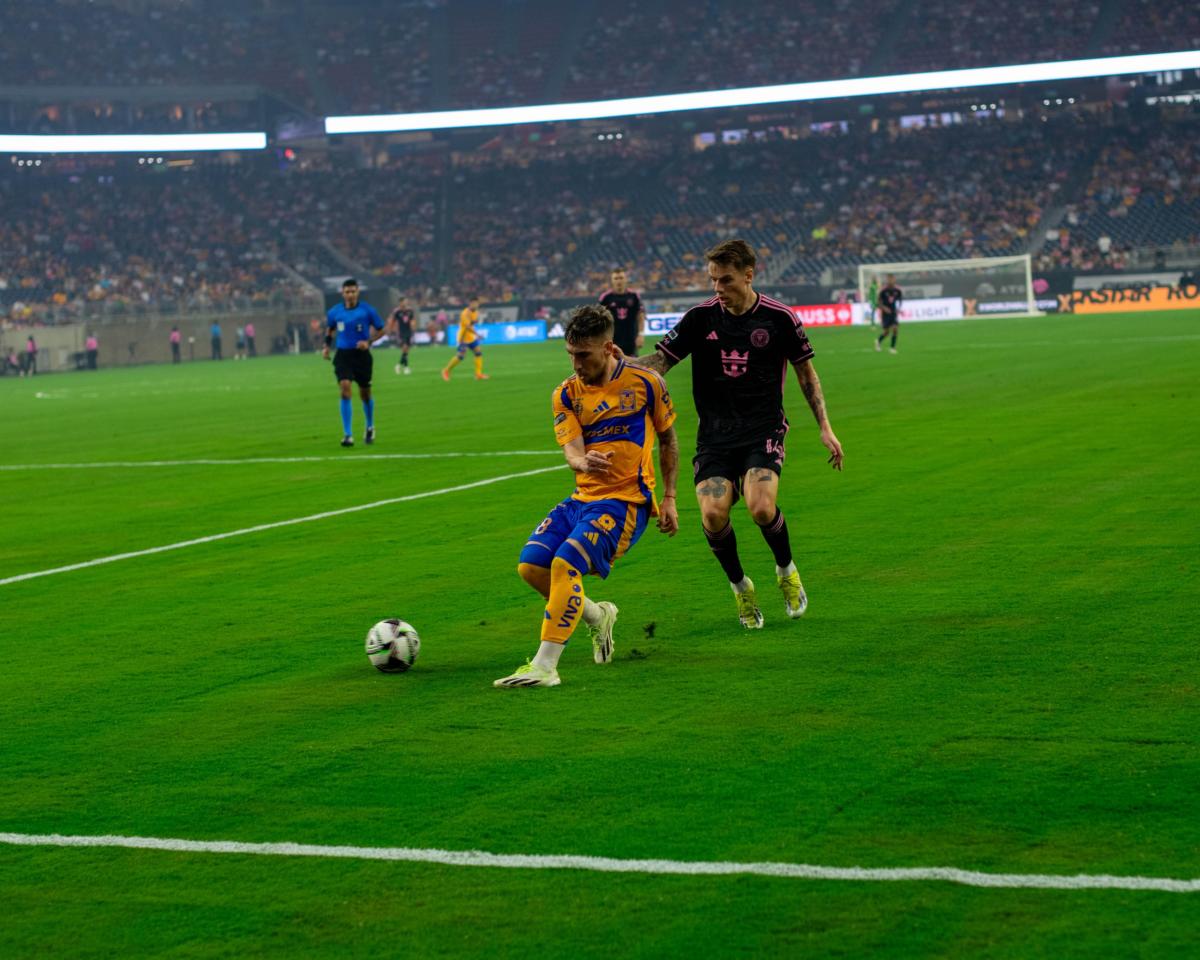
pixel 760 337
pixel 627 399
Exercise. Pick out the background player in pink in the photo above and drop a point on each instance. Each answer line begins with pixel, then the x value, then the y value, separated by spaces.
pixel 740 343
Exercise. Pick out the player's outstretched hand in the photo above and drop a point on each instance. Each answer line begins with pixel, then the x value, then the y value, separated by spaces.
pixel 668 517
pixel 835 448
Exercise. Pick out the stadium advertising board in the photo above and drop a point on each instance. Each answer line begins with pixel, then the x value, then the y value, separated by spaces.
pixel 935 308
pixel 1131 300
pixel 824 314
pixel 985 307
pixel 659 323
pixel 522 331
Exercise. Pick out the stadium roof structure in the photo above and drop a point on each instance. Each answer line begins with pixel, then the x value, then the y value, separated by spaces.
pixel 780 93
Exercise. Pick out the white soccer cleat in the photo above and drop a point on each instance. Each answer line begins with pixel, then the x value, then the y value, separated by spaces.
pixel 407 371
pixel 795 600
pixel 747 603
pixel 602 633
pixel 530 675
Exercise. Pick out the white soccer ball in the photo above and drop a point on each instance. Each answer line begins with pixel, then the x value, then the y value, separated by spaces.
pixel 392 646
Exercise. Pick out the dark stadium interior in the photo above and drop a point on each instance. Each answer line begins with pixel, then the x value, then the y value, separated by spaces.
pixel 1090 175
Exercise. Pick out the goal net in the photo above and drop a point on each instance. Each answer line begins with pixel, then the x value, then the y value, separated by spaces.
pixel 986 286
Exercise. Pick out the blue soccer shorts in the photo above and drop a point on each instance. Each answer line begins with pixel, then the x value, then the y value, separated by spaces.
pixel 597 532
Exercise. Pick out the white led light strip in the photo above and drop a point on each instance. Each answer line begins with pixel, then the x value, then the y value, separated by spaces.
pixel 782 93
pixel 132 143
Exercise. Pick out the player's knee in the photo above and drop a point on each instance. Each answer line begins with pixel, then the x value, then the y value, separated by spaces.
pixel 536 576
pixel 345 385
pixel 762 511
pixel 570 556
pixel 714 516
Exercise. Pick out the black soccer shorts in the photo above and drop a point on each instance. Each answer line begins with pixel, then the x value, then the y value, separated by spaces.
pixel 353 365
pixel 733 463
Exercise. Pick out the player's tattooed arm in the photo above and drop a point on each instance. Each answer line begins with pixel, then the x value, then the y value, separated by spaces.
pixel 668 460
pixel 810 383
pixel 657 361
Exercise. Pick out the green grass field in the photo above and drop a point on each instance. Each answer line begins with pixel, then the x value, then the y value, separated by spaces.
pixel 998 670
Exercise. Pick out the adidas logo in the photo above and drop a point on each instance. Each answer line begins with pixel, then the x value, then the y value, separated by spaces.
pixel 712 335
pixel 604 405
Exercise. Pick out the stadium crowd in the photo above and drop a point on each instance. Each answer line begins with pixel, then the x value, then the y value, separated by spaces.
pixel 356 56
pixel 544 219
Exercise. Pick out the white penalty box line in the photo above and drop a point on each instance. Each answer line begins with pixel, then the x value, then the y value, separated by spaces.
pixel 478 858
pixel 277 524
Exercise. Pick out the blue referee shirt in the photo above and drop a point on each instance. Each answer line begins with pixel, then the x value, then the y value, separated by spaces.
pixel 352 325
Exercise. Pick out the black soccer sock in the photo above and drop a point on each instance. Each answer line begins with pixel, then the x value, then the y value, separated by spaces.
pixel 723 544
pixel 404 359
pixel 893 341
pixel 881 338
pixel 776 535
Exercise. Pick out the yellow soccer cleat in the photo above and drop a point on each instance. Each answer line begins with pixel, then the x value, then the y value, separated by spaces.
pixel 747 603
pixel 794 597
pixel 529 675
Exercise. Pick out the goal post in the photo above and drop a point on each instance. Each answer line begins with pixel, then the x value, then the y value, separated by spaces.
pixel 987 286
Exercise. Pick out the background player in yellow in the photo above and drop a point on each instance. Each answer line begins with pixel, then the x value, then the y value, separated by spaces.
pixel 468 339
pixel 605 418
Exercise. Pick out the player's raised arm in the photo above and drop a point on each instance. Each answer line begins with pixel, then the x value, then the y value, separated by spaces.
pixel 810 383
pixel 668 462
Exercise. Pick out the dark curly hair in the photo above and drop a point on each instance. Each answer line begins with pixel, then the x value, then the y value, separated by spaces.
pixel 589 321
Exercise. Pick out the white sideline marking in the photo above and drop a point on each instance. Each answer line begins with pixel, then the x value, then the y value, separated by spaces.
pixel 279 523
pixel 478 858
pixel 350 458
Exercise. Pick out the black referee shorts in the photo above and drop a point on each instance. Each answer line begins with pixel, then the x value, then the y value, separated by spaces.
pixel 353 365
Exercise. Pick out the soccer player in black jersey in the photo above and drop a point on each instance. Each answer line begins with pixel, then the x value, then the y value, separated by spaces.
pixel 890 298
pixel 740 343
pixel 629 318
pixel 400 326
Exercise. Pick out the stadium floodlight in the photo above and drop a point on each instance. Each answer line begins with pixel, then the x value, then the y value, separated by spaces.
pixel 780 93
pixel 132 143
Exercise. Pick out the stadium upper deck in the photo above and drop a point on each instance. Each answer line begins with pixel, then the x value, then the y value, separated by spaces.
pixel 352 57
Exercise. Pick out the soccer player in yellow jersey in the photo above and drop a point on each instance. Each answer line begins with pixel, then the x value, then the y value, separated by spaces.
pixel 468 339
pixel 605 418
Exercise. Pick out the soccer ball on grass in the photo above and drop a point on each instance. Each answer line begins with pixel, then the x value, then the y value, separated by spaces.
pixel 392 646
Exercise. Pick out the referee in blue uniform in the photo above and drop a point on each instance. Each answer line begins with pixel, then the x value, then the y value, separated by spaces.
pixel 350 323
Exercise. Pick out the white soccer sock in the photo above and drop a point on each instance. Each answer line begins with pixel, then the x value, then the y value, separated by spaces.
pixel 591 612
pixel 785 571
pixel 743 586
pixel 548 654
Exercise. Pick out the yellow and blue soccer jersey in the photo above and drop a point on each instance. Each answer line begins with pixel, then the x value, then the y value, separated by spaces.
pixel 622 416
pixel 466 326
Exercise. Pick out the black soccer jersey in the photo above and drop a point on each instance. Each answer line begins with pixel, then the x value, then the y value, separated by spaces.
pixel 625 308
pixel 404 321
pixel 889 299
pixel 739 367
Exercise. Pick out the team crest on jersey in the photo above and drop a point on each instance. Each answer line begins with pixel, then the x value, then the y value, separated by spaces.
pixel 760 337
pixel 627 399
pixel 733 363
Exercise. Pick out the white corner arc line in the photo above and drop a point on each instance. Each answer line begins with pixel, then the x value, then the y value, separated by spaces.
pixel 275 525
pixel 352 458
pixel 479 858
